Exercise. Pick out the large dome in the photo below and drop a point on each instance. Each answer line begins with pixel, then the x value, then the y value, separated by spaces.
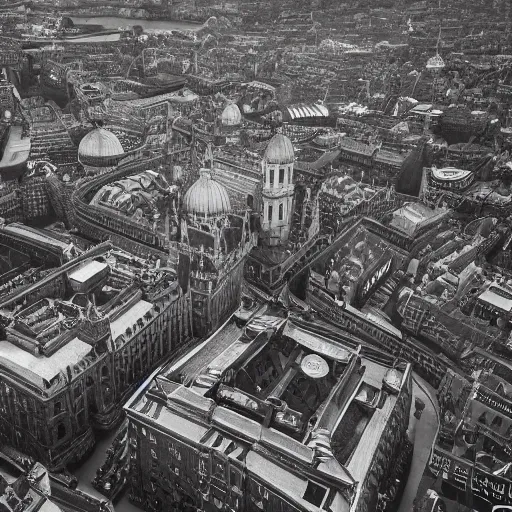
pixel 279 150
pixel 100 148
pixel 207 197
pixel 231 115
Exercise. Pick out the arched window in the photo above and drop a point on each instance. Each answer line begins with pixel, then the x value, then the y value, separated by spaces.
pixel 281 211
pixel 250 201
pixel 270 213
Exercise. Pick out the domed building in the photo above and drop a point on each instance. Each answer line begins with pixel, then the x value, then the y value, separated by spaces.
pixel 100 149
pixel 206 198
pixel 279 150
pixel 278 189
pixel 231 115
pixel 211 235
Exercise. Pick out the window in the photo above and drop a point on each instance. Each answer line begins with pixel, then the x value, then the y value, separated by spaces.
pixel 281 211
pixel 270 213
pixel 497 422
pixel 271 174
pixel 250 201
pixel 61 431
pixel 24 420
pixel 281 175
pixel 152 438
pixel 483 418
pixel 315 494
pixel 235 479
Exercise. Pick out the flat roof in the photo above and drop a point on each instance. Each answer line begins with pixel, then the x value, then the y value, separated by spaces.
pixel 317 343
pixel 129 317
pixel 496 300
pixel 85 272
pixel 27 232
pixel 17 149
pixel 38 369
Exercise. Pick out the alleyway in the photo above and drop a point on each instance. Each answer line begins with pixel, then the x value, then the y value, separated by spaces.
pixel 424 431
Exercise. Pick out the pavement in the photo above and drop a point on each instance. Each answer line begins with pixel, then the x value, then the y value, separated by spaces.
pixel 423 433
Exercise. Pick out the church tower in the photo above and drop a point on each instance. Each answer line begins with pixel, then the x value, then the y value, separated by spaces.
pixel 278 188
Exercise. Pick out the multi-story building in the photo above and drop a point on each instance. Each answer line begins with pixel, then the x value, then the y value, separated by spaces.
pixel 267 417
pixel 471 458
pixel 77 342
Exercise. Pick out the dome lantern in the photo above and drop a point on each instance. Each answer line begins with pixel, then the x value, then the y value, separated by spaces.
pixel 207 197
pixel 100 148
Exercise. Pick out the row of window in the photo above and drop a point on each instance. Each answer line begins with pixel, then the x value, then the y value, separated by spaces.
pixel 281 176
pixel 270 212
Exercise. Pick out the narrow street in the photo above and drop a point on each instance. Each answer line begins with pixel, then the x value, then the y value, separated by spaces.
pixel 424 432
pixel 86 472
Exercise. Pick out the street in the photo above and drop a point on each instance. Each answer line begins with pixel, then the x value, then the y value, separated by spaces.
pixel 424 432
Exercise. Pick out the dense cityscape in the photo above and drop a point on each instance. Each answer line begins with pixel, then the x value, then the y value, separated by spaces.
pixel 256 256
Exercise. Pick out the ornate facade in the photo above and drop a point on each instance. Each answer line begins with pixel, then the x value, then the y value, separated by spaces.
pixel 77 343
pixel 219 428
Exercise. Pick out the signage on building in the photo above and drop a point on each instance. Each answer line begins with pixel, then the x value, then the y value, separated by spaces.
pixel 486 486
pixel 494 401
pixel 372 281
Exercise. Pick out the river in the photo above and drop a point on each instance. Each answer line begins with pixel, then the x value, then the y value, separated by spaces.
pixel 112 22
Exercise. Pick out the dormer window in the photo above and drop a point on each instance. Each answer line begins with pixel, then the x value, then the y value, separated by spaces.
pixel 316 494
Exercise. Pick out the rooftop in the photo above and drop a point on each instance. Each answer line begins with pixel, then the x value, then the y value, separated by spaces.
pixel 40 370
pixel 276 384
pixel 17 149
pixel 85 272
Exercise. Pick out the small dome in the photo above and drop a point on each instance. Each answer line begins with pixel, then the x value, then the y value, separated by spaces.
pixel 231 115
pixel 100 148
pixel 207 197
pixel 435 63
pixel 279 150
